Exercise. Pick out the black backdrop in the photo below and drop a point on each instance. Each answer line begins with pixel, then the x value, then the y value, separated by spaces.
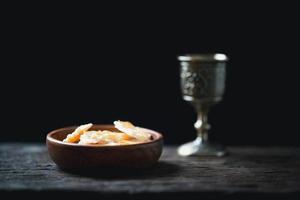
pixel 63 68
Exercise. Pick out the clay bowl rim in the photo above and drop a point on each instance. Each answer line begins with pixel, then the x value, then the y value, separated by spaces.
pixel 49 138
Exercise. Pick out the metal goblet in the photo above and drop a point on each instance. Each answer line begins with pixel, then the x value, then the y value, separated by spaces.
pixel 202 85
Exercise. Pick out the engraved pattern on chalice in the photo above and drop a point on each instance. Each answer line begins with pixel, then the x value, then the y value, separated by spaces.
pixel 194 84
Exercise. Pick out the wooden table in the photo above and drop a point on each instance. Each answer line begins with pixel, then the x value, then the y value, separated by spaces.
pixel 247 173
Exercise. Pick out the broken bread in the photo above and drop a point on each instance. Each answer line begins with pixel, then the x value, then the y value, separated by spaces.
pixel 127 134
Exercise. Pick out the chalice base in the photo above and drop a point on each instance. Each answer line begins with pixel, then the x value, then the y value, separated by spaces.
pixel 200 148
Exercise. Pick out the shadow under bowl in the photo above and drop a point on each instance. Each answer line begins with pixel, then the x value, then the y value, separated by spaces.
pixel 72 156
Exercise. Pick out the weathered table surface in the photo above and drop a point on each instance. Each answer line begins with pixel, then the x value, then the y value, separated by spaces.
pixel 248 172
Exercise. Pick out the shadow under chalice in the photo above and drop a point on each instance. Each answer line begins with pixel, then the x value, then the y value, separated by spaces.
pixel 161 169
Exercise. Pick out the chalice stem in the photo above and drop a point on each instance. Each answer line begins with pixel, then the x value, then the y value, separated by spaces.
pixel 202 126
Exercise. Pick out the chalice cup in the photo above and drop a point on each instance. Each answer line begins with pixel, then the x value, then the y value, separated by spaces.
pixel 202 84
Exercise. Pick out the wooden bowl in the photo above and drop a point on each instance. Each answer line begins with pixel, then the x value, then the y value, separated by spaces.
pixel 75 156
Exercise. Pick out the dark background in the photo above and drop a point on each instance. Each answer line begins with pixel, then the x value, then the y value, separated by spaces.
pixel 67 66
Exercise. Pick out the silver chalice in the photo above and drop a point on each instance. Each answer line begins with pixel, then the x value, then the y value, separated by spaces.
pixel 202 85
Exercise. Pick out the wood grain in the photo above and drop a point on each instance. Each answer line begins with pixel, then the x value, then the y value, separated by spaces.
pixel 248 172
